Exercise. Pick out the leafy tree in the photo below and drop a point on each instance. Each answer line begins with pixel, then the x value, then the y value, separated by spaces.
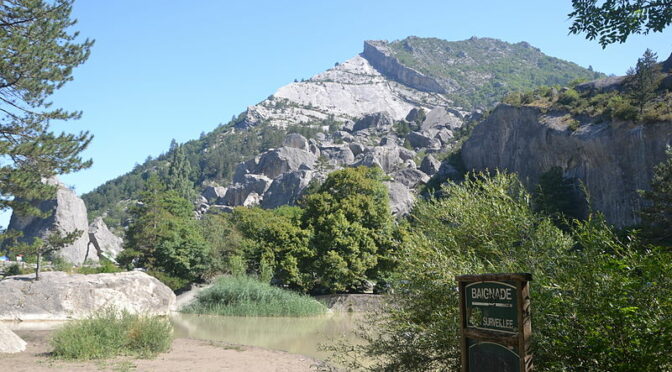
pixel 38 54
pixel 614 20
pixel 643 79
pixel 163 235
pixel 275 246
pixel 599 303
pixel 657 217
pixel 354 234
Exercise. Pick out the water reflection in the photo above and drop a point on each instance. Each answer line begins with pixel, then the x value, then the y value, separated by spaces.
pixel 295 335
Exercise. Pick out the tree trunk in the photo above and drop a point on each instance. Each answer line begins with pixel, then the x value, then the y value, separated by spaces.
pixel 37 266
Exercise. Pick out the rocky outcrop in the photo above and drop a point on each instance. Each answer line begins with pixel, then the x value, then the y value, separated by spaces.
pixel 62 296
pixel 106 243
pixel 212 193
pixel 287 189
pixel 378 120
pixel 67 213
pixel 430 165
pixel 10 342
pixel 401 198
pixel 378 54
pixel 613 160
pixel 285 159
pixel 605 85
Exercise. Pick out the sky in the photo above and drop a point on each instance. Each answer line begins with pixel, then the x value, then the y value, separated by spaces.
pixel 172 69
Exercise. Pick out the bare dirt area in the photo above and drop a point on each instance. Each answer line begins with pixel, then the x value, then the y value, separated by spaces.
pixel 185 355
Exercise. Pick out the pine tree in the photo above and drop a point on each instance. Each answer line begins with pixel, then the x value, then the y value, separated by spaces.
pixel 38 54
pixel 179 172
pixel 643 79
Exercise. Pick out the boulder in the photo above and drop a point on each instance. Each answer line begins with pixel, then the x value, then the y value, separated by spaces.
pixel 442 117
pixel 410 177
pixel 338 155
pixel 604 85
pixel 445 136
pixel 430 165
pixel 296 141
pixel 378 120
pixel 287 189
pixel 213 193
pixel 246 167
pixel 10 342
pixel 414 114
pixel 344 136
pixel 106 243
pixel 386 158
pixel 284 159
pixel 252 200
pixel 666 66
pixel 357 148
pixel 421 140
pixel 67 213
pixel 401 198
pixel 62 296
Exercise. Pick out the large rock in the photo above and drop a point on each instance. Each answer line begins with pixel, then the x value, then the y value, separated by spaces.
pixel 10 342
pixel 338 155
pixel 604 85
pixel 442 117
pixel 285 159
pixel 62 296
pixel 613 159
pixel 287 189
pixel 296 141
pixel 213 193
pixel 430 165
pixel 401 198
pixel 422 140
pixel 410 177
pixel 387 158
pixel 67 213
pixel 106 243
pixel 378 120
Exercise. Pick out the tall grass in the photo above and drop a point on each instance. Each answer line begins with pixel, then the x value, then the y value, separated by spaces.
pixel 108 334
pixel 245 296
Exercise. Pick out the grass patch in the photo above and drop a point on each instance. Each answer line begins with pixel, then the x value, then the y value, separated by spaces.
pixel 245 296
pixel 109 334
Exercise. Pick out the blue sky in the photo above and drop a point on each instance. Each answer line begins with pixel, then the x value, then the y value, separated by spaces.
pixel 173 69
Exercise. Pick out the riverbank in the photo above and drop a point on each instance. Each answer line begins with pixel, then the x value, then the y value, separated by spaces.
pixel 185 354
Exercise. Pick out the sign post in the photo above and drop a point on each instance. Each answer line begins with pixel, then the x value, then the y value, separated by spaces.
pixel 495 322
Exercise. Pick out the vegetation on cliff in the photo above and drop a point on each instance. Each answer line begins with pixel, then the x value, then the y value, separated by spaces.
pixel 480 71
pixel 643 96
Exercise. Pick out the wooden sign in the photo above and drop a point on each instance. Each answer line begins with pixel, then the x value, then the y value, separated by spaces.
pixel 495 322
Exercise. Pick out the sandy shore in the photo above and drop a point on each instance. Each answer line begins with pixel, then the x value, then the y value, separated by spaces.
pixel 185 355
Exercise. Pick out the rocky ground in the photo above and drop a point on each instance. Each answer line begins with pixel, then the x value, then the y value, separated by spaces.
pixel 185 355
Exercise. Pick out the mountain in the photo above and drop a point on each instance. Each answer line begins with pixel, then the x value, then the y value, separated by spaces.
pixel 402 106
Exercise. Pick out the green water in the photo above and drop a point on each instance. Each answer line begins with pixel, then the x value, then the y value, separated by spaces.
pixel 295 335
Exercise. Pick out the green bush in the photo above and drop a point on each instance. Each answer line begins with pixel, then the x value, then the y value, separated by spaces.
pixel 619 107
pixel 245 296
pixel 599 303
pixel 105 266
pixel 109 334
pixel 569 97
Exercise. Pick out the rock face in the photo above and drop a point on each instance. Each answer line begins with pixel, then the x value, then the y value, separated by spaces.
pixel 106 243
pixel 68 213
pixel 10 342
pixel 613 160
pixel 62 296
pixel 377 53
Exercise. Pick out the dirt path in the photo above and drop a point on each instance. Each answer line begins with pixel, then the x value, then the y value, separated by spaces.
pixel 185 355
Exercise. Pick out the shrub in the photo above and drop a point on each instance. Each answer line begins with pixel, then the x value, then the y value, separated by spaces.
pixel 569 97
pixel 245 296
pixel 172 282
pixel 105 266
pixel 599 303
pixel 109 333
pixel 620 107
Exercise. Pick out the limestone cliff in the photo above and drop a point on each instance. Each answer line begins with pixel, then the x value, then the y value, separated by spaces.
pixel 613 159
